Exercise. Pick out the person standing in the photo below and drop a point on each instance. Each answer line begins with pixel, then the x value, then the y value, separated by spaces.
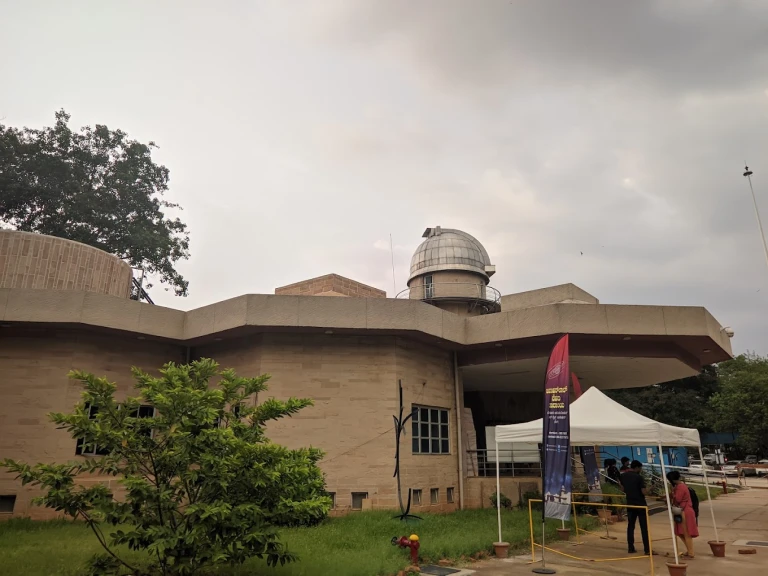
pixel 686 527
pixel 634 487
pixel 612 472
pixel 624 465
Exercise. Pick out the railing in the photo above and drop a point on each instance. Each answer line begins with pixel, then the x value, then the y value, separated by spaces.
pixel 138 292
pixel 512 463
pixel 525 463
pixel 453 291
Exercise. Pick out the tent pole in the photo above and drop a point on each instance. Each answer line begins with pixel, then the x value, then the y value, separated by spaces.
pixel 709 496
pixel 498 491
pixel 669 503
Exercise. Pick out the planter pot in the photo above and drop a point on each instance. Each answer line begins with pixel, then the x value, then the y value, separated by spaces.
pixel 564 533
pixel 501 549
pixel 603 514
pixel 677 569
pixel 615 518
pixel 718 548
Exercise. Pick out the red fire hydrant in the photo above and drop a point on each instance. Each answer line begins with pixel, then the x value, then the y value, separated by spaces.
pixel 411 542
pixel 725 487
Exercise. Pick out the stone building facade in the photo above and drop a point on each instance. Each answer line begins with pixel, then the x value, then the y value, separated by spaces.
pixel 463 365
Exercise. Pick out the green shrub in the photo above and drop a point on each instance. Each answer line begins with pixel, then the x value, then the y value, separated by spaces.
pixel 506 503
pixel 530 495
pixel 203 484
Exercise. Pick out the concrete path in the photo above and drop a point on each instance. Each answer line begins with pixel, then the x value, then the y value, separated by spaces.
pixel 740 517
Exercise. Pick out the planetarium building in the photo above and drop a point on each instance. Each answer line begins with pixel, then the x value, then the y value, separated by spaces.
pixel 461 354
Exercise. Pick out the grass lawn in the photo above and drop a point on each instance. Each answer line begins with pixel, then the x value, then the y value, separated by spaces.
pixel 701 492
pixel 355 545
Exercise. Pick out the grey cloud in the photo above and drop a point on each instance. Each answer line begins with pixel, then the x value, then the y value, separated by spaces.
pixel 689 44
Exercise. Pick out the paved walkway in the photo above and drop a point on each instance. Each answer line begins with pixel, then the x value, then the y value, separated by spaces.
pixel 740 517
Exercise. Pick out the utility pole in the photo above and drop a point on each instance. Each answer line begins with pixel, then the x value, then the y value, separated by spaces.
pixel 748 175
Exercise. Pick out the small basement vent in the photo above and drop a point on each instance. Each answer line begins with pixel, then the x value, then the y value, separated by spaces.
pixel 7 504
pixel 438 570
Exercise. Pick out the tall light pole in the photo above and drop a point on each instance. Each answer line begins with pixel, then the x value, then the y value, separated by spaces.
pixel 748 176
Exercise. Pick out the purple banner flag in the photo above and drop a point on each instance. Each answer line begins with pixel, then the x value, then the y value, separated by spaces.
pixel 556 440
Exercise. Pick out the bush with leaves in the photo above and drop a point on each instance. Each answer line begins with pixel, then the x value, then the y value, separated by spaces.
pixel 202 484
pixel 505 501
pixel 530 495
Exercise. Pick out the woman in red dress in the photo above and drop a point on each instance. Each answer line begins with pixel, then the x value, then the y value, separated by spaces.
pixel 685 524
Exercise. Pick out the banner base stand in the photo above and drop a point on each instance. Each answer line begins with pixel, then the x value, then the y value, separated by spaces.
pixel 544 571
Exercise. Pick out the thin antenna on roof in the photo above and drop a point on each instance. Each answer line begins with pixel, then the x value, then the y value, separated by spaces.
pixel 392 251
pixel 748 175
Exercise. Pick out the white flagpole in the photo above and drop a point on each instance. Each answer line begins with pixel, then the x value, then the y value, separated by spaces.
pixel 498 490
pixel 669 505
pixel 709 496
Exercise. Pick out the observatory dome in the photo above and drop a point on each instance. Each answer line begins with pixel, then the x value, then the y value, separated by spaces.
pixel 448 249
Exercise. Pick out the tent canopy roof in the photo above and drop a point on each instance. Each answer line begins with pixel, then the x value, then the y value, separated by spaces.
pixel 598 420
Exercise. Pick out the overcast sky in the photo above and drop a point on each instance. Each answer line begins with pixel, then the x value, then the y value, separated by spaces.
pixel 300 134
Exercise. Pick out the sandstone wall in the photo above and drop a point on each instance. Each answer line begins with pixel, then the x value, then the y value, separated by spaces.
pixel 44 262
pixel 33 369
pixel 330 285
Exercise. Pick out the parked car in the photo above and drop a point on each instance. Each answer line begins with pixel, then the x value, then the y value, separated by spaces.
pixel 751 459
pixel 762 471
pixel 698 469
pixel 731 468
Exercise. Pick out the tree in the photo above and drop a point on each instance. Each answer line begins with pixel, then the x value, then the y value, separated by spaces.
pixel 741 406
pixel 683 402
pixel 203 486
pixel 97 187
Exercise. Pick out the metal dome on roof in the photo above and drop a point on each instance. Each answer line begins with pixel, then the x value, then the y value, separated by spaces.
pixel 447 249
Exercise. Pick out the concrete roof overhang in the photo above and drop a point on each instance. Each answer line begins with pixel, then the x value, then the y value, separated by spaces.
pixel 611 345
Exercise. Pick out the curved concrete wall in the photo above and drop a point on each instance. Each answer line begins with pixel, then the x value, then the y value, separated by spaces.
pixel 43 262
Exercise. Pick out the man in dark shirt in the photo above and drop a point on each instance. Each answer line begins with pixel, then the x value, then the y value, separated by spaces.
pixel 633 484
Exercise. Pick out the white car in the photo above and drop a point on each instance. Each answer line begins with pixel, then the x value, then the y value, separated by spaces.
pixel 763 471
pixel 698 470
pixel 731 469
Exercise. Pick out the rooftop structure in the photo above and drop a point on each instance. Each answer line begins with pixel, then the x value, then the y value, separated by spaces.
pixel 451 270
pixel 447 249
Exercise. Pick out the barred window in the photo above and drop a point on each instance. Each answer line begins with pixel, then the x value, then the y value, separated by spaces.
pixel 430 431
pixel 83 449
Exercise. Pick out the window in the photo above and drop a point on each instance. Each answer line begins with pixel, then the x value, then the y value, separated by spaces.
pixel 145 412
pixel 429 287
pixel 84 449
pixel 417 497
pixel 449 494
pixel 6 504
pixel 434 495
pixel 430 431
pixel 333 500
pixel 357 500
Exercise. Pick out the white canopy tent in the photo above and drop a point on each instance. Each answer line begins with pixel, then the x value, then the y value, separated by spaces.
pixel 598 420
